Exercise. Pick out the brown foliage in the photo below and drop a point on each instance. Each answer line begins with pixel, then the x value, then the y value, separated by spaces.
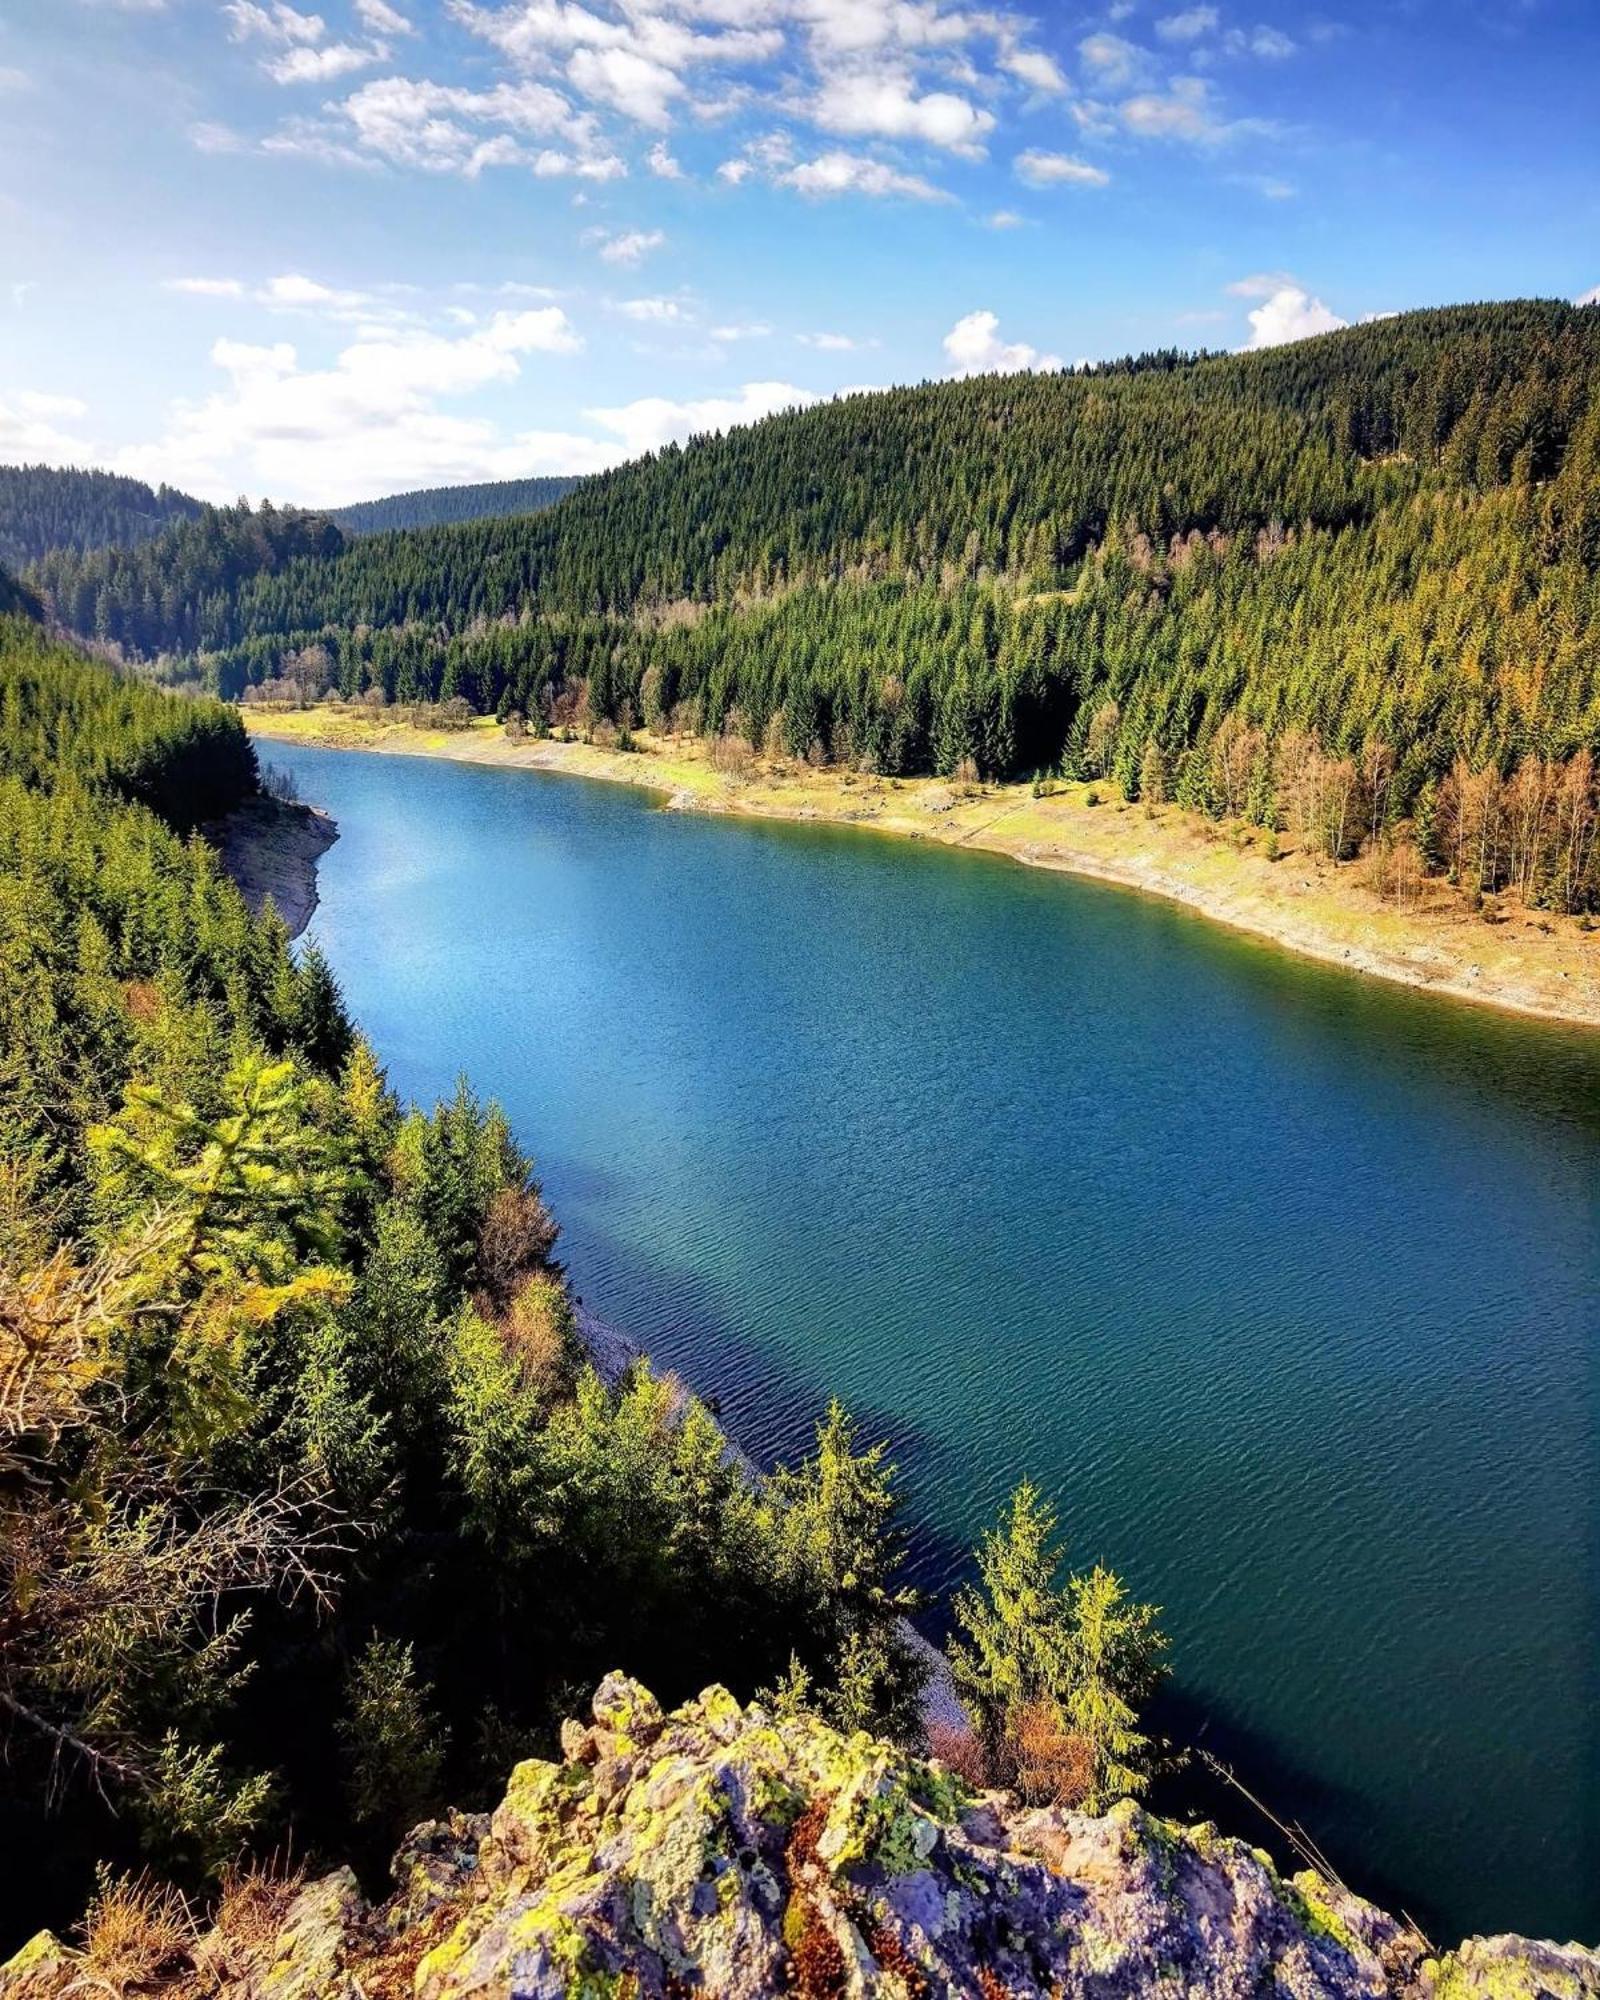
pixel 516 1240
pixel 135 1933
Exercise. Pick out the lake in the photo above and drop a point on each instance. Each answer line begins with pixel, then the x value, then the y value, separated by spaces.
pixel 1283 1283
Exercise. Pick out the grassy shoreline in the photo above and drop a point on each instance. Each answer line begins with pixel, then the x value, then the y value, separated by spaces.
pixel 1533 963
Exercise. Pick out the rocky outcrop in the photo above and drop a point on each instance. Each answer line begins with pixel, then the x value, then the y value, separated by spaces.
pixel 722 1851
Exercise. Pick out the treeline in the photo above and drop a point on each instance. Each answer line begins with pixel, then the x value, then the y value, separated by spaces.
pixel 437 506
pixel 172 593
pixel 1017 476
pixel 45 507
pixel 188 760
pixel 313 1513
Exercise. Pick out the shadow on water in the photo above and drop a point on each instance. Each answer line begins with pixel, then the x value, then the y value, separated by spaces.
pixel 771 1413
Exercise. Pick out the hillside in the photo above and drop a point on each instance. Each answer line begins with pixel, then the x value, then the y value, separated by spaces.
pixel 1313 586
pixel 438 506
pixel 45 507
pixel 742 1854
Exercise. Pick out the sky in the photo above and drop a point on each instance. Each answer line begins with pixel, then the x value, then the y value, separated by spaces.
pixel 323 252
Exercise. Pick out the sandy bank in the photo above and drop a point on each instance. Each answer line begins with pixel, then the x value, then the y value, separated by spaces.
pixel 1529 963
pixel 272 850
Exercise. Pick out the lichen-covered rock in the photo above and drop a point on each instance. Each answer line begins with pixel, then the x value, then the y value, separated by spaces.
pixel 716 1850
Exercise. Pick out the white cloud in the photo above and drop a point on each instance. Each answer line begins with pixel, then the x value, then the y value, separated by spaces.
pixel 653 421
pixel 1588 298
pixel 884 104
pixel 630 83
pixel 275 22
pixel 1187 112
pixel 1270 44
pixel 660 312
pixel 735 171
pixel 293 292
pixel 662 164
pixel 625 246
pixel 1189 25
pixel 973 347
pixel 30 430
pixel 1037 70
pixel 1112 60
pixel 1289 313
pixel 368 424
pixel 14 79
pixel 833 343
pixel 444 129
pixel 383 19
pixel 305 65
pixel 853 173
pixel 1003 218
pixel 745 329
pixel 1043 170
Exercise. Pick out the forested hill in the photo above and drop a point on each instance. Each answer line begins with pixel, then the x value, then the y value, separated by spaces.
pixel 437 506
pixel 45 507
pixel 1385 537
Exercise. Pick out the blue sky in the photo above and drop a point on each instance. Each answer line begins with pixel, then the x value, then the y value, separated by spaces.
pixel 328 250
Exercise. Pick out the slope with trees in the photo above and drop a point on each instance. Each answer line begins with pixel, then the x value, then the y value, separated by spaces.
pixel 437 506
pixel 45 507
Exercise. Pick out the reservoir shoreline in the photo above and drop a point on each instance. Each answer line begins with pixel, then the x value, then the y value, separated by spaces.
pixel 1529 963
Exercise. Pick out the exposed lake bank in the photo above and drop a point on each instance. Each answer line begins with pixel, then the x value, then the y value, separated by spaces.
pixel 1532 963
pixel 271 849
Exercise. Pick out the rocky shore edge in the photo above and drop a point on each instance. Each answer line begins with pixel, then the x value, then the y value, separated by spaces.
pixel 271 848
pixel 737 1853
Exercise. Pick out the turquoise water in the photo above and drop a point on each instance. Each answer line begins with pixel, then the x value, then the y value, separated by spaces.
pixel 1282 1282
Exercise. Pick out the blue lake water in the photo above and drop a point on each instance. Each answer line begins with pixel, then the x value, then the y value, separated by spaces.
pixel 1283 1283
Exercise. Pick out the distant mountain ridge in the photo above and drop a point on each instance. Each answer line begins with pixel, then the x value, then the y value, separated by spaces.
pixel 47 508
pixel 442 506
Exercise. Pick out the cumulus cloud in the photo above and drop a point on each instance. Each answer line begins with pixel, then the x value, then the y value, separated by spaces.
pixel 383 19
pixel 30 429
pixel 304 65
pixel 367 424
pixel 654 421
pixel 1037 70
pixel 304 55
pixel 1043 170
pixel 448 129
pixel 973 347
pixel 885 104
pixel 662 164
pixel 275 22
pixel 854 173
pixel 1588 298
pixel 1286 312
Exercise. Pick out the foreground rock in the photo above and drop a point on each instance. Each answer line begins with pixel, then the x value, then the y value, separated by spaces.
pixel 271 849
pixel 718 1851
